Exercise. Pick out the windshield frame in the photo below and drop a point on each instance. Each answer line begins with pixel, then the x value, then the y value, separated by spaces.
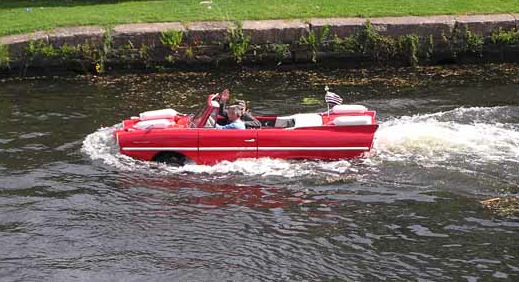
pixel 199 120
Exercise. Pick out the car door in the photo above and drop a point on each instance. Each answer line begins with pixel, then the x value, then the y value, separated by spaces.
pixel 216 145
pixel 317 143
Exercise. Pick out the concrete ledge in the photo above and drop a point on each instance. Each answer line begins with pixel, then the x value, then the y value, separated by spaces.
pixel 21 38
pixel 271 31
pixel 342 27
pixel 202 33
pixel 76 35
pixel 398 26
pixel 139 34
pixel 486 24
pixel 275 31
pixel 18 42
pixel 516 17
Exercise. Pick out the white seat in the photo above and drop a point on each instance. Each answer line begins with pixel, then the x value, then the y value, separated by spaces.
pixel 284 122
pixel 158 114
pixel 348 109
pixel 352 120
pixel 299 120
pixel 154 123
pixel 306 120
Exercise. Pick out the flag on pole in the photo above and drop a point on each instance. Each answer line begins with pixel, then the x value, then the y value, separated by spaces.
pixel 332 98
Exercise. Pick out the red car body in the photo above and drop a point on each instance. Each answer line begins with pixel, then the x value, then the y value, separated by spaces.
pixel 302 136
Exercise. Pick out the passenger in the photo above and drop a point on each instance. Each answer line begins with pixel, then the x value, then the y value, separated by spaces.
pixel 233 116
pixel 249 120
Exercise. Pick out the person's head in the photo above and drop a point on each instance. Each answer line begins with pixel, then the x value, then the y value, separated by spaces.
pixel 234 112
pixel 242 104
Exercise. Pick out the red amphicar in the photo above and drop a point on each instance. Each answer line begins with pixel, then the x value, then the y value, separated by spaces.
pixel 342 132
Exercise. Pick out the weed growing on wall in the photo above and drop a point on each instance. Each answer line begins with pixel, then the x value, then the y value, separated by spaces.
pixel 348 45
pixel 172 38
pixel 145 56
pixel 315 41
pixel 370 43
pixel 4 56
pixel 505 37
pixel 462 40
pixel 189 53
pixel 281 51
pixel 429 47
pixel 411 48
pixel 474 43
pixel 41 48
pixel 82 53
pixel 103 52
pixel 238 43
pixel 375 45
pixel 408 47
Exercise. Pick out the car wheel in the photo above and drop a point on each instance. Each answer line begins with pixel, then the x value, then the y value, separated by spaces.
pixel 170 158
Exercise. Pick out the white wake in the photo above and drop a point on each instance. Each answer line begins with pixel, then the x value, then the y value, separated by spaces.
pixel 468 134
pixel 101 146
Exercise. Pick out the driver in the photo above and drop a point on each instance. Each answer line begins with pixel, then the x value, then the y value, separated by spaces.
pixel 234 114
pixel 249 120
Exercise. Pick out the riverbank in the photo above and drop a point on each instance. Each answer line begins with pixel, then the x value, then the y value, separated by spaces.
pixel 345 42
pixel 22 16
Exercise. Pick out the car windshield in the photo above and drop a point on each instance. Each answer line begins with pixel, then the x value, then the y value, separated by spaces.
pixel 211 120
pixel 196 118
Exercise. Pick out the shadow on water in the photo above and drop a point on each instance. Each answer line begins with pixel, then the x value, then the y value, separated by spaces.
pixel 216 195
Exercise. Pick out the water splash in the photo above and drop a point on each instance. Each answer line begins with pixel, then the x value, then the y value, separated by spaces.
pixel 463 135
pixel 102 146
pixel 476 134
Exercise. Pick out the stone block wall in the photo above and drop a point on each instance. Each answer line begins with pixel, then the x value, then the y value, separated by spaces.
pixel 206 43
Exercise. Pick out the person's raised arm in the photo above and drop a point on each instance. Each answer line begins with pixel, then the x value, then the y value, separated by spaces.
pixel 222 110
pixel 224 96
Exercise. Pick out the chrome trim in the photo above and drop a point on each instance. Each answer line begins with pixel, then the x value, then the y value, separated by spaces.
pixel 313 148
pixel 245 149
pixel 227 149
pixel 160 149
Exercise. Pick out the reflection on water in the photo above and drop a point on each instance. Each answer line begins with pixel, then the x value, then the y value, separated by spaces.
pixel 73 208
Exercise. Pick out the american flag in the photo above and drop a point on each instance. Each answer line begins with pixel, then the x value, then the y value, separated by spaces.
pixel 332 98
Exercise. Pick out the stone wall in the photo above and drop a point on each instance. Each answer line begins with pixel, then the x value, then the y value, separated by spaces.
pixel 271 42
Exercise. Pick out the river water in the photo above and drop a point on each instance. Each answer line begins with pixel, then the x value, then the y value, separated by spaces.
pixel 73 209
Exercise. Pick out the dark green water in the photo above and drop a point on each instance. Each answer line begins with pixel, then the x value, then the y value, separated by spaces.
pixel 73 209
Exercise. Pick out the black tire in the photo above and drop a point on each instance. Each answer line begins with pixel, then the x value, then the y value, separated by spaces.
pixel 170 158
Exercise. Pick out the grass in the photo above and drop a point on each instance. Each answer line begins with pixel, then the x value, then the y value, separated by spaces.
pixel 17 16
